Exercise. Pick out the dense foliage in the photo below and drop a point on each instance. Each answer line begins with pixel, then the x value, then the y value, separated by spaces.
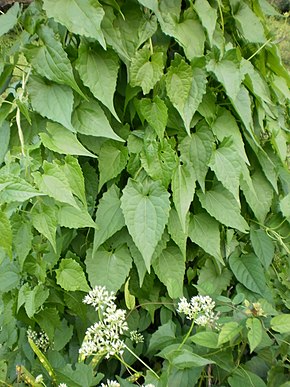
pixel 144 148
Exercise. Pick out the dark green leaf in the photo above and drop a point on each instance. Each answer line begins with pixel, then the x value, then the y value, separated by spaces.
pixel 263 246
pixel 6 234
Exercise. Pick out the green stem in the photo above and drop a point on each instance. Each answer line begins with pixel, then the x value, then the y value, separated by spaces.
pixel 260 48
pixel 187 335
pixel 141 361
pixel 125 364
pixel 222 17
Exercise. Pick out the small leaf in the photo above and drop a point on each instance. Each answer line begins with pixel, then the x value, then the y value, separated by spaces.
pixel 4 139
pixel 186 359
pixel 146 69
pixel 155 113
pixel 211 280
pixel 60 140
pixel 9 19
pixel 263 246
pixel 51 100
pixel 146 210
pixel 255 332
pixel 281 323
pixel 176 231
pixel 98 70
pixel 75 178
pixel 170 269
pixel 228 332
pixel 73 217
pixel 130 300
pixel 35 298
pixel 241 374
pixel 22 239
pixel 109 268
pixel 43 218
pixel 285 206
pixel 205 339
pixel 6 234
pixel 81 17
pixel 70 276
pixel 249 271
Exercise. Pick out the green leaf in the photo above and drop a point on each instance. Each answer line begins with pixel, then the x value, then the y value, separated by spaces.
pixel 54 183
pixel 186 359
pixel 281 323
pixel 196 150
pixel 211 280
pixel 112 160
pixel 109 268
pixel 9 278
pixel 9 19
pixel 6 234
pixel 146 209
pixel 185 87
pixel 22 240
pixel 243 106
pixel 249 271
pixel 247 22
pixel 74 175
pixel 61 140
pixel 98 70
pixel 176 231
pixel 89 119
pixel 183 189
pixel 162 338
pixel 155 113
pixel 146 69
pixel 48 320
pixel 50 60
pixel 73 217
pixel 4 139
pixel 109 217
pixel 82 17
pixel 263 246
pixel 204 231
pixel 130 300
pixel 43 218
pixel 207 16
pixel 63 335
pixel 241 375
pixel 170 268
pixel 228 332
pixel 35 298
pixel 255 332
pixel 206 339
pixel 70 276
pixel 222 205
pixel 15 189
pixel 285 206
pixel 51 100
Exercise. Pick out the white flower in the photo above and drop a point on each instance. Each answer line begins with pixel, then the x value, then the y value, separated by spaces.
pixel 40 339
pixel 99 297
pixel 136 337
pixel 199 309
pixel 62 385
pixel 110 383
pixel 39 378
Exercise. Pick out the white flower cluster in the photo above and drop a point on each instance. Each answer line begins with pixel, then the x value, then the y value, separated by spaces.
pixel 62 385
pixel 199 309
pixel 40 339
pixel 110 383
pixel 136 337
pixel 104 336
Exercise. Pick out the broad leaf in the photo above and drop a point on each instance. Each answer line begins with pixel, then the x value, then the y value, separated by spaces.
pixel 35 298
pixel 170 268
pixel 82 17
pixel 205 339
pixel 228 332
pixel 146 210
pixel 22 240
pixel 51 100
pixel 281 323
pixel 255 332
pixel 43 218
pixel 109 268
pixel 70 276
pixel 9 19
pixel 98 70
pixel 75 177
pixel 109 217
pixel 6 234
pixel 243 106
pixel 146 69
pixel 186 359
pixel 89 118
pixel 15 189
pixel 240 375
pixel 263 246
pixel 61 140
pixel 222 205
pixel 204 231
pixel 285 206
pixel 207 16
pixel 211 280
pixel 155 113
pixel 176 231
pixel 249 271
pixel 73 217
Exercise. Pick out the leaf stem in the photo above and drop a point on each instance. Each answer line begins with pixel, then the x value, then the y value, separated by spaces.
pixel 141 361
pixel 187 335
pixel 259 49
pixel 151 46
pixel 222 16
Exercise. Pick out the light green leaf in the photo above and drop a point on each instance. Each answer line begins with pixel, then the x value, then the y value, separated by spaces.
pixel 285 206
pixel 226 164
pixel 89 118
pixel 6 234
pixel 98 70
pixel 43 218
pixel 73 217
pixel 281 323
pixel 35 298
pixel 61 140
pixel 9 280
pixel 82 17
pixel 146 69
pixel 222 205
pixel 243 106
pixel 109 268
pixel 263 246
pixel 22 240
pixel 176 231
pixel 9 19
pixel 185 87
pixel 51 100
pixel 240 376
pixel 255 332
pixel 112 160
pixel 109 217
pixel 130 300
pixel 187 359
pixel 75 178
pixel 50 60
pixel 146 209
pixel 249 271
pixel 15 189
pixel 228 332
pixel 70 276
pixel 205 339
pixel 170 268
pixel 4 139
pixel 54 183
pixel 155 113
pixel 183 189
pixel 207 16
pixel 247 22
pixel 211 280
pixel 204 231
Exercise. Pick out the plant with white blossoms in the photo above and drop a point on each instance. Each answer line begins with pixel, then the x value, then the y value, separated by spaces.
pixel 136 337
pixel 40 339
pixel 110 383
